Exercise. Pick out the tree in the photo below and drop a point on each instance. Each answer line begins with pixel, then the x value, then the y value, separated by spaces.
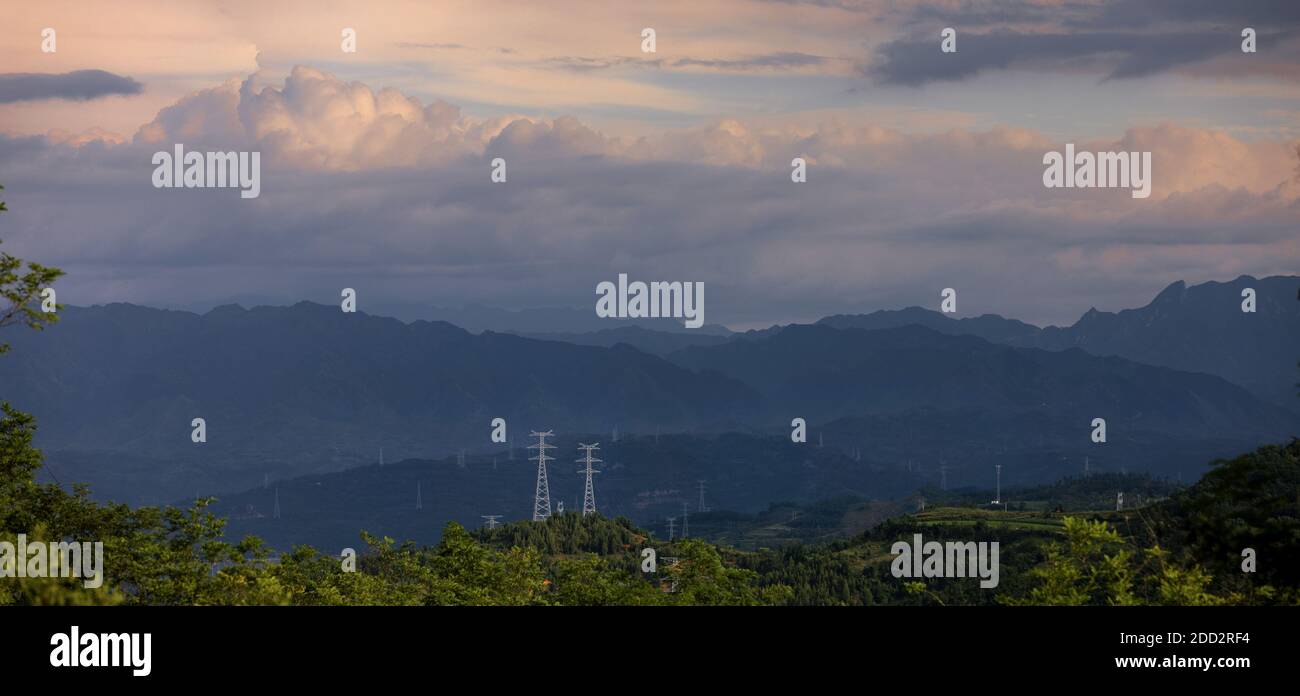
pixel 1095 566
pixel 20 289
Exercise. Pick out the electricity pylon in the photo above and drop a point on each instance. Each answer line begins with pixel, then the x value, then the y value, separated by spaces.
pixel 491 520
pixel 542 496
pixel 589 493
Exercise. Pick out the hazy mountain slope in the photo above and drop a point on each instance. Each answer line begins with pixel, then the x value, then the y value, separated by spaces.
pixel 1199 329
pixel 645 340
pixel 644 478
pixel 821 373
pixel 309 388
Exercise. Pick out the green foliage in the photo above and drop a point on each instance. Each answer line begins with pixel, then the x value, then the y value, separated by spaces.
pixel 19 291
pixel 1091 567
pixel 1096 566
pixel 1251 501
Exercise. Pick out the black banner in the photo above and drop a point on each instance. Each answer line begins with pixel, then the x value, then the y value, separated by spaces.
pixel 958 646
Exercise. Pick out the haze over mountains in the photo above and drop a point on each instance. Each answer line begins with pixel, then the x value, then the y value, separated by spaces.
pixel 1199 328
pixel 645 478
pixel 902 396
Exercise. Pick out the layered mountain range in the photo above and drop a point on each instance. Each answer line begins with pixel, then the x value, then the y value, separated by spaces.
pixel 308 390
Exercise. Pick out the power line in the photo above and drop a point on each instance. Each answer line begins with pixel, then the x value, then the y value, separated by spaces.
pixel 542 495
pixel 589 493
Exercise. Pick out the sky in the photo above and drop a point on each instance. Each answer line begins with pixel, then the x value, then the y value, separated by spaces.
pixel 925 168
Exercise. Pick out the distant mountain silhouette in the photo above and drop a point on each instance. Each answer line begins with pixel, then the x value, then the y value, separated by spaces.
pixel 308 388
pixel 565 320
pixel 1199 328
pixel 645 340
pixel 822 373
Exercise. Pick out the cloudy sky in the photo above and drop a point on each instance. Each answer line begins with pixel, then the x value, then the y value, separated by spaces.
pixel 925 168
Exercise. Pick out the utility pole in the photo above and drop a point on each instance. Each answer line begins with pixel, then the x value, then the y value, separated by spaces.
pixel 542 495
pixel 589 493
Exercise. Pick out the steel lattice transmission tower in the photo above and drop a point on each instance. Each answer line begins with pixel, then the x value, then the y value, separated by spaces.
pixel 542 497
pixel 491 520
pixel 589 493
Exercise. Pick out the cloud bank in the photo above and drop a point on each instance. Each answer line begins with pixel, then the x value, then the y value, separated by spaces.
pixel 372 189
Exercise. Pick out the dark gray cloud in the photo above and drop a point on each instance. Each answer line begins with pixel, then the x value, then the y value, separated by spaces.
pixel 1116 15
pixel 788 59
pixel 585 64
pixel 79 85
pixel 1121 39
pixel 1128 14
pixel 775 61
pixel 916 61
